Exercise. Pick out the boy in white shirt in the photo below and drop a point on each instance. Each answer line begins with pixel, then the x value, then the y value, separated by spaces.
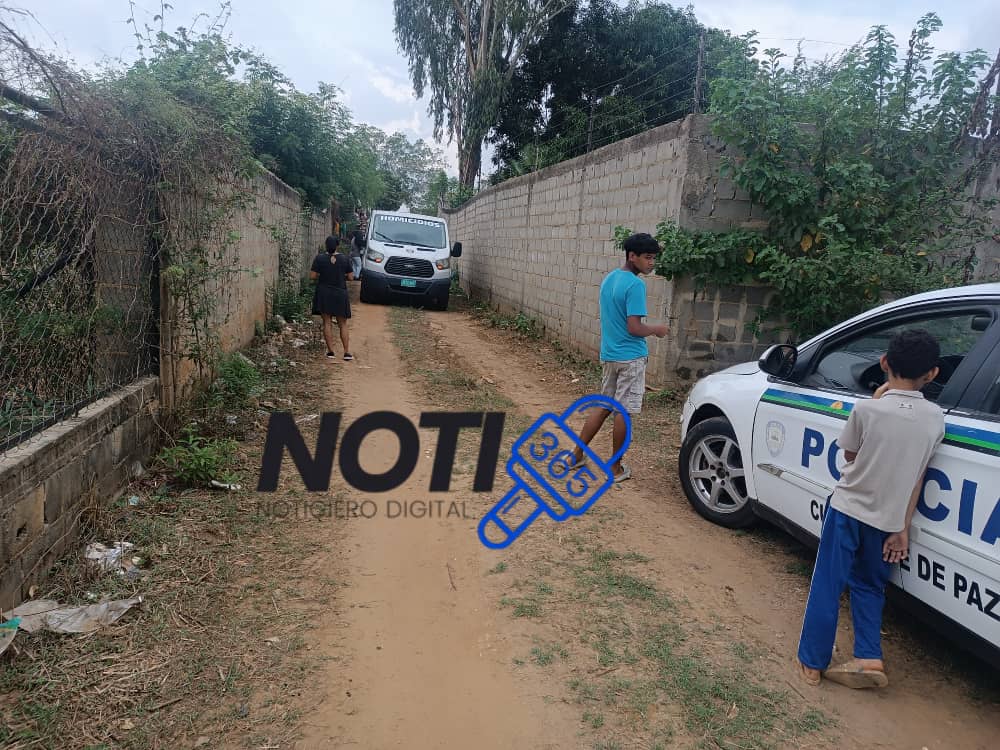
pixel 888 442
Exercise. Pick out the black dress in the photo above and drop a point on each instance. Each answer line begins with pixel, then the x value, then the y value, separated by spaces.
pixel 331 289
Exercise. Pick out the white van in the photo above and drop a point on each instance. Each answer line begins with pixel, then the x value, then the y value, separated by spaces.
pixel 406 256
pixel 760 440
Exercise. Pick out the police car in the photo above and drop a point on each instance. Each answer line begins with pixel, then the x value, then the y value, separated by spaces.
pixel 760 441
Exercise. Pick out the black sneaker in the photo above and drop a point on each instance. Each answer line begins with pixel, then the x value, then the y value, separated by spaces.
pixel 331 355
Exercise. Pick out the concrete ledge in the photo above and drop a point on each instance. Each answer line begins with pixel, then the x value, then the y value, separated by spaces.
pixel 48 482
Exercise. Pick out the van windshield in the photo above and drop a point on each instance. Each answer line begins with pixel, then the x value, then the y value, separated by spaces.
pixel 409 230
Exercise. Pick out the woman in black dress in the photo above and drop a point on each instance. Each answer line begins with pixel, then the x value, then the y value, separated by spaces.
pixel 332 271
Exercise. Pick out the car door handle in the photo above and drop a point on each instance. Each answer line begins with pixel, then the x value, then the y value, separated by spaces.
pixel 798 480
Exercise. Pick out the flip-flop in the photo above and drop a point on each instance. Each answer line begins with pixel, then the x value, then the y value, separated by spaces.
pixel 807 678
pixel 855 675
pixel 626 474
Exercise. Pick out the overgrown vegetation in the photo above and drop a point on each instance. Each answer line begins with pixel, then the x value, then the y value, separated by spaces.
pixel 864 165
pixel 603 71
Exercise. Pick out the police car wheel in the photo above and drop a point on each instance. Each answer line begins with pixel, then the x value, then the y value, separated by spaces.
pixel 713 476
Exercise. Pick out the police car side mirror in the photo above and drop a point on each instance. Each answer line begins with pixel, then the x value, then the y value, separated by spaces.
pixel 456 251
pixel 779 360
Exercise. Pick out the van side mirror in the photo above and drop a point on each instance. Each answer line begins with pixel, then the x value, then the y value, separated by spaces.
pixel 779 360
pixel 456 251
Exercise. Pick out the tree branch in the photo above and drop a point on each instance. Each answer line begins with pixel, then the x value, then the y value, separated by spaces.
pixel 463 22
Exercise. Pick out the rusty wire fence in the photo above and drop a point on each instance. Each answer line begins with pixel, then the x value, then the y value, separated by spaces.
pixel 78 266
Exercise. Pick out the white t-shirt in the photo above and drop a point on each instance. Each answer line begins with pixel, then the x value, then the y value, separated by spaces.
pixel 894 437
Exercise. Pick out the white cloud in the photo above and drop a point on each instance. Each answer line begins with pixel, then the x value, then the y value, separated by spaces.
pixel 391 89
pixel 412 125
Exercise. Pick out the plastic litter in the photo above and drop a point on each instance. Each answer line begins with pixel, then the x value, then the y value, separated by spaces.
pixel 108 558
pixel 307 418
pixel 47 614
pixel 299 343
pixel 134 500
pixel 230 419
pixel 224 486
pixel 7 632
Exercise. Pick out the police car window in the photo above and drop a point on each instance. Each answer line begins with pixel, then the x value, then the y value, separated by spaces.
pixel 854 364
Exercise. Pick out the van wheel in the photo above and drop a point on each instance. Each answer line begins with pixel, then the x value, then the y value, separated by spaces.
pixel 365 293
pixel 713 475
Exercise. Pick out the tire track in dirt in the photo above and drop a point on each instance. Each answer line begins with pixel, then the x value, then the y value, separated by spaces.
pixel 416 656
pixel 734 580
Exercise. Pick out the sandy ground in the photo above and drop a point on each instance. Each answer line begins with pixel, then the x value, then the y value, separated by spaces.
pixel 418 654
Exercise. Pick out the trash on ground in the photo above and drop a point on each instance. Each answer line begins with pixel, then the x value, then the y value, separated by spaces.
pixel 108 558
pixel 299 343
pixel 46 614
pixel 230 419
pixel 134 500
pixel 307 418
pixel 7 632
pixel 226 486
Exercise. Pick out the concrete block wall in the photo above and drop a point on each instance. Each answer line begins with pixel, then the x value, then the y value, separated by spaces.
pixel 48 485
pixel 241 297
pixel 542 243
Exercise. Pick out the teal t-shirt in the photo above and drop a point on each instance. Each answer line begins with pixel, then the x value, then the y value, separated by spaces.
pixel 622 294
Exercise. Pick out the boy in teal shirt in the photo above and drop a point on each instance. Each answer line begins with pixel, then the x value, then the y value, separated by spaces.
pixel 624 352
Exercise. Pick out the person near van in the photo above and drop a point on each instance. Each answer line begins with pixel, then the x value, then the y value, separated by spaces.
pixel 331 271
pixel 623 344
pixel 357 242
pixel 887 442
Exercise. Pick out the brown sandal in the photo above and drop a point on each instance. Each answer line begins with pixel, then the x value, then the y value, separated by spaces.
pixel 807 678
pixel 856 675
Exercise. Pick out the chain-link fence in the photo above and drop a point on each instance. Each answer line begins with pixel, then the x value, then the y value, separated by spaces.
pixel 78 286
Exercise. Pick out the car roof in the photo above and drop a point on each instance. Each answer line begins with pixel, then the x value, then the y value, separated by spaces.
pixel 990 291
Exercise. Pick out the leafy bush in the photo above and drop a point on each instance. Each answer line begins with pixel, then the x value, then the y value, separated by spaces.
pixel 863 165
pixel 198 460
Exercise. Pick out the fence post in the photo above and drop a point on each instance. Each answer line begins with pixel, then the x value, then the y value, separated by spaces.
pixel 590 121
pixel 699 74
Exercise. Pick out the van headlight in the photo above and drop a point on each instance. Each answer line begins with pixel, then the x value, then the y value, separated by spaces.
pixel 375 256
pixel 443 264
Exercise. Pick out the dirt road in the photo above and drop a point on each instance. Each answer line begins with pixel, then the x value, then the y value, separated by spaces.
pixel 422 654
pixel 638 626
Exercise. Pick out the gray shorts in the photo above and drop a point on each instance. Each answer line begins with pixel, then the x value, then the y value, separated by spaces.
pixel 625 382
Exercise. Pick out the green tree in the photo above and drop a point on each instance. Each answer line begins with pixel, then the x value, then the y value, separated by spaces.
pixel 633 67
pixel 406 167
pixel 466 52
pixel 863 165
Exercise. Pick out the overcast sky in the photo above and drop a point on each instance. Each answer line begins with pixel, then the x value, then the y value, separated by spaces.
pixel 350 43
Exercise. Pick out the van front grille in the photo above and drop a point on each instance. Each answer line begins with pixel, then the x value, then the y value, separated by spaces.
pixel 413 267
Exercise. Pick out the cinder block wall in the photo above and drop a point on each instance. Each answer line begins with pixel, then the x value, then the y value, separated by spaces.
pixel 542 243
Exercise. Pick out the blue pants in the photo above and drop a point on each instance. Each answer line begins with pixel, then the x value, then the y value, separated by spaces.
pixel 850 554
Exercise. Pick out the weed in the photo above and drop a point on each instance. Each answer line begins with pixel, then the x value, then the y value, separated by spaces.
pixel 522 607
pixel 596 721
pixel 500 567
pixel 545 655
pixel 197 460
